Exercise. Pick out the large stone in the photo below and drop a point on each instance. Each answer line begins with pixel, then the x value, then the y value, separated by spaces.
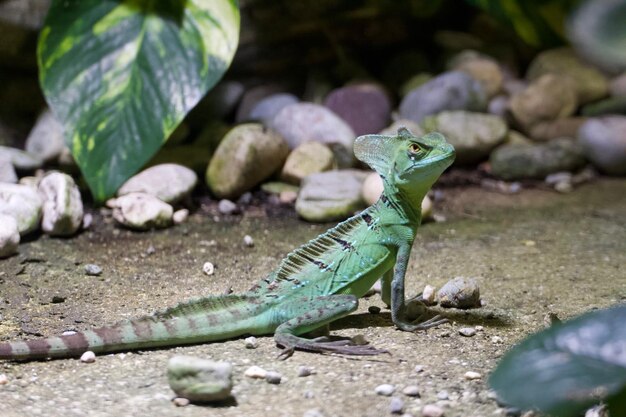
pixel 168 182
pixel 7 170
pixel 248 155
pixel 547 98
pixel 62 205
pixel 141 211
pixel 454 90
pixel 365 107
pixel 473 135
pixel 328 196
pixel 604 142
pixel 308 158
pixel 200 380
pixel 482 68
pixel 23 204
pixel 588 83
pixel 9 236
pixel 267 108
pixel 303 122
pixel 566 127
pixel 46 139
pixel 410 125
pixel 519 161
pixel 22 161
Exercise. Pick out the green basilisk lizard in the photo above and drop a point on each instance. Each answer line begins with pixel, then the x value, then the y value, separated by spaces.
pixel 314 285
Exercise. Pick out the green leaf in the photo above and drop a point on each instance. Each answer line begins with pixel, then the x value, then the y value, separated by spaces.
pixel 122 74
pixel 598 30
pixel 565 369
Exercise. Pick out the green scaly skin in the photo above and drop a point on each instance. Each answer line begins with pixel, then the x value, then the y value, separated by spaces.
pixel 314 285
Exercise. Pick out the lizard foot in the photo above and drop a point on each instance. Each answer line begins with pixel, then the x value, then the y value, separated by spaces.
pixel 342 347
pixel 418 325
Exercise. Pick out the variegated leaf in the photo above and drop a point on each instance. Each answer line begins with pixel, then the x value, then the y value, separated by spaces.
pixel 122 74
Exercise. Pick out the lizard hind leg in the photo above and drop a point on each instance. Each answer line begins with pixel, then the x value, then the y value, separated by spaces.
pixel 311 314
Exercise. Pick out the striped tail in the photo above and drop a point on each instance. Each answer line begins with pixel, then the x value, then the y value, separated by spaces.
pixel 197 321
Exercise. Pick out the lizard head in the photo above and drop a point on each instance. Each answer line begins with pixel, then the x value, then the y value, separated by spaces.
pixel 404 160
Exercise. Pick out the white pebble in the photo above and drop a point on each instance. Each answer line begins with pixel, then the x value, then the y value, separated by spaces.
pixel 248 241
pixel 4 379
pixel 208 268
pixel 396 406
pixel 68 333
pixel 180 402
pixel 251 342
pixel 385 390
pixel 88 357
pixel 255 372
pixel 497 340
pixel 227 207
pixel 467 331
pixel 411 391
pixel 419 368
pixel 180 216
pixel 472 375
pixel 432 410
pixel 443 395
pixel 87 220
pixel 428 295
pixel 304 371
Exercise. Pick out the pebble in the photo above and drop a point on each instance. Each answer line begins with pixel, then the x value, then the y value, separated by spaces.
pixel 255 372
pixel 373 309
pixel 200 380
pixel 332 195
pixel 62 205
pixel 180 216
pixel 227 207
pixel 467 331
pixel 87 221
pixel 9 236
pixel 411 391
pixel 181 402
pixel 168 182
pixel 308 158
pixel 385 390
pixel 246 156
pixel 473 135
pixel 88 357
pixel 7 171
pixel 3 379
pixel 365 107
pixel 471 375
pixel 252 96
pixel 93 270
pixel 23 203
pixel 497 340
pixel 443 395
pixel 251 342
pixel 302 122
pixel 460 292
pixel 304 371
pixel 432 410
pixel 604 142
pixel 418 368
pixel 429 295
pixel 46 139
pixel 566 127
pixel 273 377
pixel 396 406
pixel 248 241
pixel 372 188
pixel 482 68
pixel 314 412
pixel 453 90
pixel 142 211
pixel 208 268
pixel 287 197
pixel 267 108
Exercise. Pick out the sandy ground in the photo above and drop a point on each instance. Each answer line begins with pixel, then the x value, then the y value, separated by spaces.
pixel 533 253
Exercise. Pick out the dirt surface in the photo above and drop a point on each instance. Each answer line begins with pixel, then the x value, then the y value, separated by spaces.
pixel 533 253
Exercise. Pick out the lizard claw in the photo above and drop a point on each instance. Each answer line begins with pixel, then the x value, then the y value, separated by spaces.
pixel 285 354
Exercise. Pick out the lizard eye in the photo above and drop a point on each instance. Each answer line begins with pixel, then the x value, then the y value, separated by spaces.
pixel 414 148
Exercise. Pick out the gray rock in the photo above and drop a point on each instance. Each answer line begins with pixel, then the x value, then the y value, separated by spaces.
pixel 46 140
pixel 482 68
pixel 410 125
pixel 275 187
pixel 499 105
pixel 302 122
pixel 566 127
pixel 93 270
pixel 225 206
pixel 308 158
pixel 168 182
pixel 604 142
pixel 514 162
pixel 141 211
pixel 385 390
pixel 23 203
pixel 247 155
pixel 22 161
pixel 252 96
pixel 365 107
pixel 460 293
pixel 332 195
pixel 396 406
pixel 62 205
pixel 473 135
pixel 267 108
pixel 7 171
pixel 273 377
pixel 588 83
pixel 200 380
pixel 9 236
pixel 454 90
pixel 547 98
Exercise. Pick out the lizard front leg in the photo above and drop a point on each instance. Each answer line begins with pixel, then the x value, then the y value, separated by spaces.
pixel 398 305
pixel 311 314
